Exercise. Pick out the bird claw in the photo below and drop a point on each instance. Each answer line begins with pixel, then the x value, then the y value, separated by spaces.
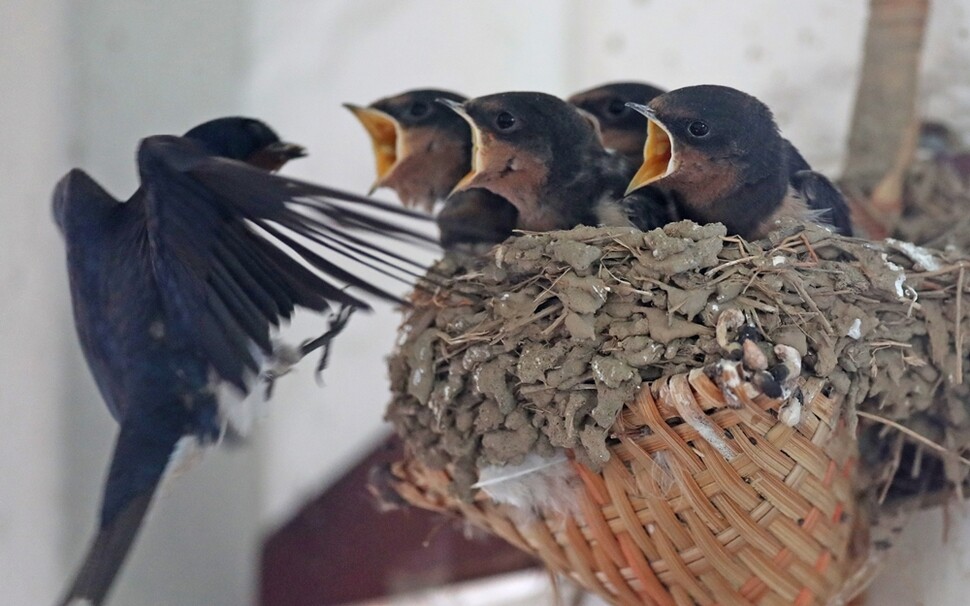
pixel 338 321
pixel 285 357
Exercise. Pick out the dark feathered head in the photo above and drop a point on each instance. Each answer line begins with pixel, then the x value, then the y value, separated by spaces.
pixel 245 139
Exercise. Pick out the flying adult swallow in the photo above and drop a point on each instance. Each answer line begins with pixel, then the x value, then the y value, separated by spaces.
pixel 175 292
pixel 421 150
pixel 545 157
pixel 717 154
pixel 622 128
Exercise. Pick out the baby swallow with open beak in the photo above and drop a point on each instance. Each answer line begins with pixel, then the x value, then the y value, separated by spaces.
pixel 716 153
pixel 545 157
pixel 415 142
pixel 421 150
pixel 622 128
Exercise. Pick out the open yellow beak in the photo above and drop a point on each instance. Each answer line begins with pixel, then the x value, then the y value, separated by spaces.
pixel 385 136
pixel 659 159
pixel 467 182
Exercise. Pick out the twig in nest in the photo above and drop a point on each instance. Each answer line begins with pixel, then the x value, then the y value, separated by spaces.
pixel 714 270
pixel 883 344
pixel 959 266
pixel 916 436
pixel 958 335
pixel 808 247
pixel 800 288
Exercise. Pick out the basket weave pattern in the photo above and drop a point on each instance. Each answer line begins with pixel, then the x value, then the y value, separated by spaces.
pixel 760 513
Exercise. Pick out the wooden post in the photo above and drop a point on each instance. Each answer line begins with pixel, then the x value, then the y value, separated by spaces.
pixel 885 122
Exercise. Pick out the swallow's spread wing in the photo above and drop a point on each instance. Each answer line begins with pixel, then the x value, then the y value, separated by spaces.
pixel 100 264
pixel 230 254
pixel 823 198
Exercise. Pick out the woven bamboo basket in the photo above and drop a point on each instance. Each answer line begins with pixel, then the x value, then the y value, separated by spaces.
pixel 772 523
pixel 605 348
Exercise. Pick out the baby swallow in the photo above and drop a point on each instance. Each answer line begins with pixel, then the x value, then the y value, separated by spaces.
pixel 622 128
pixel 717 154
pixel 421 151
pixel 176 290
pixel 545 157
pixel 418 145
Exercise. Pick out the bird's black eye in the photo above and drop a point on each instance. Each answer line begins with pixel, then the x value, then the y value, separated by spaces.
pixel 616 107
pixel 698 128
pixel 419 109
pixel 504 121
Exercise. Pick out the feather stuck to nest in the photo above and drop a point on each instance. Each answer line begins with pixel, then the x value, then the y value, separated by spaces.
pixel 537 346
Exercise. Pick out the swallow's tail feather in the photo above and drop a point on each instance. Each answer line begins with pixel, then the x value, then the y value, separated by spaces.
pixel 137 467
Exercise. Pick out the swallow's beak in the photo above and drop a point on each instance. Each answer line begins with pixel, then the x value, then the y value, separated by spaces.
pixel 287 151
pixel 275 155
pixel 469 180
pixel 659 157
pixel 384 132
pixel 454 106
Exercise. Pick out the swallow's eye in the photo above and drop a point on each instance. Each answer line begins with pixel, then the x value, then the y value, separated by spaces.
pixel 698 129
pixel 419 109
pixel 504 121
pixel 616 107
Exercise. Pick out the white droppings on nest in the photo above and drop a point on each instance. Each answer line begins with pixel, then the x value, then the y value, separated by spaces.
pixel 900 281
pixel 499 256
pixel 691 413
pixel 900 275
pixel 537 484
pixel 855 329
pixel 417 376
pixel 600 290
pixel 790 413
pixel 922 257
pixel 778 260
pixel 713 434
pixel 403 334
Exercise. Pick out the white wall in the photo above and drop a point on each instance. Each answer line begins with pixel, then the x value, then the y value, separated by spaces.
pixel 83 81
pixel 32 327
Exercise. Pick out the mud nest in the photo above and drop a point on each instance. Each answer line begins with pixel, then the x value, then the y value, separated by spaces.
pixel 537 345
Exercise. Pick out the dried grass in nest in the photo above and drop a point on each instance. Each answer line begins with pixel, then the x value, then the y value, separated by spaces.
pixel 539 345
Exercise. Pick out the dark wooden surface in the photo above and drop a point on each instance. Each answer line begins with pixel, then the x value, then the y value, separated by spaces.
pixel 340 548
